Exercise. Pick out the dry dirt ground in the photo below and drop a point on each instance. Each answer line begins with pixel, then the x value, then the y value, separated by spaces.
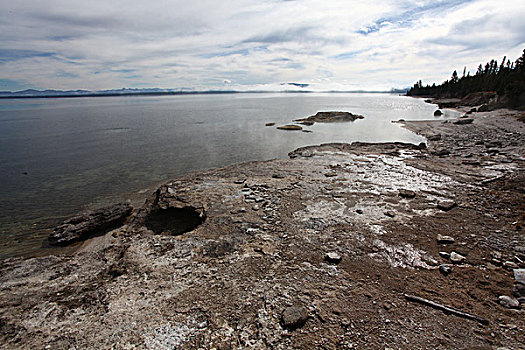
pixel 235 258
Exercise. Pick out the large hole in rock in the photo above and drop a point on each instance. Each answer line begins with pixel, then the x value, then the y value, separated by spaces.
pixel 173 221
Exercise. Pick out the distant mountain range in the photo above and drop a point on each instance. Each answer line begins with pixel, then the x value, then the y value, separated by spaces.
pixel 32 93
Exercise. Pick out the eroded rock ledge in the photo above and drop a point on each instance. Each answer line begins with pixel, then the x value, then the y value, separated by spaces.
pixel 90 224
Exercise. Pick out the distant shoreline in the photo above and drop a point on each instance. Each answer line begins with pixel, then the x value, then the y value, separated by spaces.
pixel 174 93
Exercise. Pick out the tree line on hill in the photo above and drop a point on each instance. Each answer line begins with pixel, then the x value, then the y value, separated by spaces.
pixel 507 79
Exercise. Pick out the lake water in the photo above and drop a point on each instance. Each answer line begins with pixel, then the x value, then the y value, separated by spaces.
pixel 62 156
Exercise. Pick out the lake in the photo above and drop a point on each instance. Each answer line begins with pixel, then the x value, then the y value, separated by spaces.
pixel 62 156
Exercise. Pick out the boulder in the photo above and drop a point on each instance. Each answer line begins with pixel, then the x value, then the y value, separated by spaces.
pixel 294 317
pixel 509 302
pixel 445 270
pixel 446 204
pixel 456 258
pixel 90 223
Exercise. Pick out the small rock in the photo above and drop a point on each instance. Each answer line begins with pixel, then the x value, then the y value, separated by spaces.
pixel 493 144
pixel 390 214
pixel 519 291
pixel 456 258
pixel 404 193
pixel 442 152
pixel 446 205
pixel 269 124
pixel 445 270
pixel 464 121
pixel 238 211
pixel 444 255
pixel 519 275
pixel 510 265
pixel 333 258
pixel 294 317
pixel 239 181
pixel 509 302
pixel 445 239
pixel 255 207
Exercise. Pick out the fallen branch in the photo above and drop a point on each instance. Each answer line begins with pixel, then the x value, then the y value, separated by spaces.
pixel 446 309
pixel 492 179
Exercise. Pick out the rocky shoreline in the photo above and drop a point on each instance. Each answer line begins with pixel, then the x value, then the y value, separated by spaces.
pixel 322 250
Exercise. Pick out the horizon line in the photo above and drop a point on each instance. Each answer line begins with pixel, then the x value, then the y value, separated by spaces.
pixel 111 93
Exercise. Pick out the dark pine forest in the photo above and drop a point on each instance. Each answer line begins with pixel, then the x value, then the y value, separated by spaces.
pixel 507 79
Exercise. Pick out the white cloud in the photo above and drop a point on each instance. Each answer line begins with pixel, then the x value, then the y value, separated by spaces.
pixel 251 44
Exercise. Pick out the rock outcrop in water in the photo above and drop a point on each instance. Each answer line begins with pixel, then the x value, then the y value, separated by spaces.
pixel 330 117
pixel 290 127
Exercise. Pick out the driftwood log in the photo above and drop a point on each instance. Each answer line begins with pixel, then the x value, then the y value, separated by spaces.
pixel 447 309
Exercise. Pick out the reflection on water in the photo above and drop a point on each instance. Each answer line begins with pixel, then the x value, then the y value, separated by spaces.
pixel 60 156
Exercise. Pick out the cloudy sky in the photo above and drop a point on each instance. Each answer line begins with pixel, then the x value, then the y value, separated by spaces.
pixel 250 44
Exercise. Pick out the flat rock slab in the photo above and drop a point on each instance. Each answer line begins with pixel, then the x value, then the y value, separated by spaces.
pixel 330 117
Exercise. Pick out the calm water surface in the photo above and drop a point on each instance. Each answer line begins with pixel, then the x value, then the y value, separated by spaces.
pixel 61 156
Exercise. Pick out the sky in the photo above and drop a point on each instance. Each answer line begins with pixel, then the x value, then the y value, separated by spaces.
pixel 251 44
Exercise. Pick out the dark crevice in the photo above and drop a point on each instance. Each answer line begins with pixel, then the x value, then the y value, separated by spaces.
pixel 174 221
